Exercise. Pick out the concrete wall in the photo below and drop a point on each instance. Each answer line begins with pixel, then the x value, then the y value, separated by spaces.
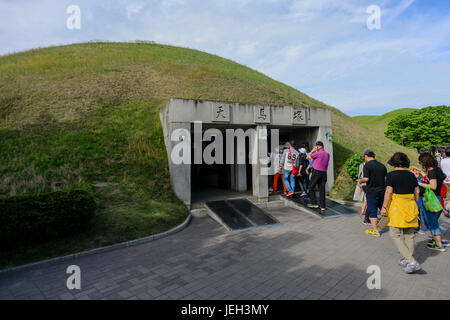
pixel 181 113
pixel 181 110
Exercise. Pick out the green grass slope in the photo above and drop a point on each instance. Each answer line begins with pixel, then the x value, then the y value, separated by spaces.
pixel 377 125
pixel 381 122
pixel 87 115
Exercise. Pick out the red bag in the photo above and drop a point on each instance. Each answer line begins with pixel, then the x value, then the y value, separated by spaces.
pixel 443 194
pixel 294 169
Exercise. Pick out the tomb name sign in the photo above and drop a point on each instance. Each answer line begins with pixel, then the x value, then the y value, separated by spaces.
pixel 298 115
pixel 261 114
pixel 220 113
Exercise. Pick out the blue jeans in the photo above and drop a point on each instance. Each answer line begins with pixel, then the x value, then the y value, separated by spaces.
pixel 431 219
pixel 289 180
pixel 373 204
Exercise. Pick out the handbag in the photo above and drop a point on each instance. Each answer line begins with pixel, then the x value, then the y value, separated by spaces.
pixel 431 202
pixel 294 169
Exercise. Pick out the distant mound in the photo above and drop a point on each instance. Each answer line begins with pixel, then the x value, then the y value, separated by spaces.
pixel 87 116
pixel 381 122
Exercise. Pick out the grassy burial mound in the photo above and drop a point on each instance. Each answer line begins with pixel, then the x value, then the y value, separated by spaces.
pixel 86 116
pixel 380 123
pixel 377 126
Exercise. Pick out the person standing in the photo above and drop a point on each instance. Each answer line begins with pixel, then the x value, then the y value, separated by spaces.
pixel 303 178
pixel 375 179
pixel 418 174
pixel 273 166
pixel 289 162
pixel 319 175
pixel 434 179
pixel 445 166
pixel 438 156
pixel 279 173
pixel 360 195
pixel 304 150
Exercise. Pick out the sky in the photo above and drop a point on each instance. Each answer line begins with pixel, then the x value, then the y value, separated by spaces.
pixel 323 48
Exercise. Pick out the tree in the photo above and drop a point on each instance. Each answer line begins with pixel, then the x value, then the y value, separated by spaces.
pixel 422 128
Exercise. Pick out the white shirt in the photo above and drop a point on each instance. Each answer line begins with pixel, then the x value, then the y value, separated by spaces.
pixel 274 162
pixel 445 166
pixel 286 159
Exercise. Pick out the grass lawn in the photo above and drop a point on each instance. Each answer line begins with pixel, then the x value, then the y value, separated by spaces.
pixel 380 123
pixel 87 116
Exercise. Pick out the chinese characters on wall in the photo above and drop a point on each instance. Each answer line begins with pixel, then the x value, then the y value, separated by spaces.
pixel 262 114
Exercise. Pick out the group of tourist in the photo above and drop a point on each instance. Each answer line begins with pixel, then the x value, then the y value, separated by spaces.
pixel 398 199
pixel 307 169
pixel 402 198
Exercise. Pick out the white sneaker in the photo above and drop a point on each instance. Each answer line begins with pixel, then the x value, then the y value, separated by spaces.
pixel 412 267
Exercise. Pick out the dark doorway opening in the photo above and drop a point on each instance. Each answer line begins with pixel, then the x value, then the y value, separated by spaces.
pixel 299 135
pixel 216 181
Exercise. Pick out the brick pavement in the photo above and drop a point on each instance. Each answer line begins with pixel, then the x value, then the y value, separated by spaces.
pixel 305 258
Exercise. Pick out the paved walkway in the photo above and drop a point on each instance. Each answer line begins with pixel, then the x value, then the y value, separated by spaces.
pixel 305 258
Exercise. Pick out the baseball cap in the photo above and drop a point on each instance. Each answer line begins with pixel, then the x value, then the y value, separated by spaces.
pixel 369 153
pixel 319 143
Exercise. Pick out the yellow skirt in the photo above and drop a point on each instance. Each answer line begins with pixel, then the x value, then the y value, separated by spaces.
pixel 402 211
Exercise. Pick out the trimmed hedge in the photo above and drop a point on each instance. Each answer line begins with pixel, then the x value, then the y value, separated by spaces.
pixel 25 219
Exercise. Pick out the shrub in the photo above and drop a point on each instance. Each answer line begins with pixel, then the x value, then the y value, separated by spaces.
pixel 25 219
pixel 352 165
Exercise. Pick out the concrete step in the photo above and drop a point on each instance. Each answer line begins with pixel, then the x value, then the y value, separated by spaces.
pixel 200 212
pixel 240 215
pixel 199 209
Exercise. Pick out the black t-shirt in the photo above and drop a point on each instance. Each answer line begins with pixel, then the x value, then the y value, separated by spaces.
pixel 304 163
pixel 376 172
pixel 434 174
pixel 402 181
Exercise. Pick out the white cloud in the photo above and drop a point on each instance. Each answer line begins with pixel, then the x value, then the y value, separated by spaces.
pixel 133 8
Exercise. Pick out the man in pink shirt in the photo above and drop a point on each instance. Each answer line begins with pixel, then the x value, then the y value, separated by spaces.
pixel 319 175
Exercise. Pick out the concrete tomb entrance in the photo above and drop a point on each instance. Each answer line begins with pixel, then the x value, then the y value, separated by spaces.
pixel 238 167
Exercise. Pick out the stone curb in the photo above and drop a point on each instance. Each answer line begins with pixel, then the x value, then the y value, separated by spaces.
pixel 103 249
